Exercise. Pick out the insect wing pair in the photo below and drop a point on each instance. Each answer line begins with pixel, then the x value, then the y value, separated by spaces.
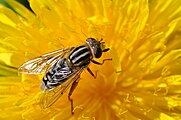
pixel 41 65
pixel 63 68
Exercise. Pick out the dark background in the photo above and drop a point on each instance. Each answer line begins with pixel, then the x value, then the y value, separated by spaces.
pixel 23 2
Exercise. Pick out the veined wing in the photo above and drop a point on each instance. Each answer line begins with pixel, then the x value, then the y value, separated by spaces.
pixel 51 96
pixel 41 64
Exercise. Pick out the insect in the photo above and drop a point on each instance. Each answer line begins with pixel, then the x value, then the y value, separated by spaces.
pixel 62 69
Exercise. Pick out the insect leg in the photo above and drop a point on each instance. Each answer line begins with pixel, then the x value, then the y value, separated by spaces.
pixel 98 63
pixel 89 70
pixel 74 85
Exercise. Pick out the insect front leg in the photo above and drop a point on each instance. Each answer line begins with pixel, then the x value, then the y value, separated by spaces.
pixel 74 85
pixel 98 63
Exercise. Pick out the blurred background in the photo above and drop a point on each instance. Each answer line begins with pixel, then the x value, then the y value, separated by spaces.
pixel 24 2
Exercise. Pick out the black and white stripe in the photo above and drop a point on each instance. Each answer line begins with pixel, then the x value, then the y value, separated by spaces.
pixel 57 75
pixel 61 71
pixel 80 56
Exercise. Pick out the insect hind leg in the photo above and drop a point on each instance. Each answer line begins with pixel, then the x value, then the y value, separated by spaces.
pixel 74 85
pixel 71 103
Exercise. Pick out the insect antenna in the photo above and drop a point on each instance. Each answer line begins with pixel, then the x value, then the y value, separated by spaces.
pixel 101 40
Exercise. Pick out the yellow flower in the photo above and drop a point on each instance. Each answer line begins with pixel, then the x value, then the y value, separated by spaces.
pixel 141 82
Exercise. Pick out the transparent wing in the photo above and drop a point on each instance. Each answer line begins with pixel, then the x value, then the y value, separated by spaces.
pixel 49 97
pixel 41 64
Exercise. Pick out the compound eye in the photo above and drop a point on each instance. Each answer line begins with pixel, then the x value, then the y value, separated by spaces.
pixel 98 52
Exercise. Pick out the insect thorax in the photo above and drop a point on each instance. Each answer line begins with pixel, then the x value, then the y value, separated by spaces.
pixel 80 56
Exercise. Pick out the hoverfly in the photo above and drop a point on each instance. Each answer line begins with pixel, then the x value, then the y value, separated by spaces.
pixel 62 69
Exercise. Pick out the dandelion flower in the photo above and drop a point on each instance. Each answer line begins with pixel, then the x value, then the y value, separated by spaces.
pixel 141 82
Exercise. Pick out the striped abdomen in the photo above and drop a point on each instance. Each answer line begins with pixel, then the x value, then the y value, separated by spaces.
pixel 80 56
pixel 58 74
